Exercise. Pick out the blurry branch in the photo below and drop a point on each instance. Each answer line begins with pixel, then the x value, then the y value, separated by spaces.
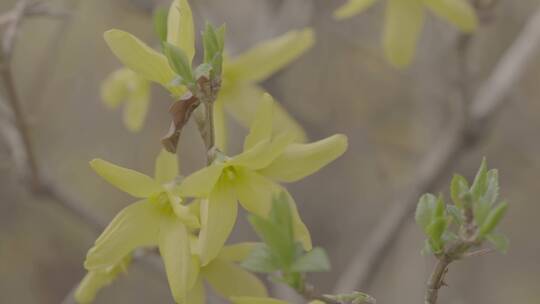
pixel 37 9
pixel 444 155
pixel 13 121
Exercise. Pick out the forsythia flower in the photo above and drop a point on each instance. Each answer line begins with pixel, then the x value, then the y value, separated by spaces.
pixel 226 277
pixel 405 18
pixel 126 86
pixel 250 178
pixel 240 93
pixel 159 218
pixel 94 280
pixel 240 74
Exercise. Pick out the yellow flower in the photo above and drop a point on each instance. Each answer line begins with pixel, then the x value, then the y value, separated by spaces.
pixel 94 280
pixel 239 94
pixel 226 277
pixel 251 176
pixel 158 219
pixel 125 86
pixel 145 65
pixel 405 18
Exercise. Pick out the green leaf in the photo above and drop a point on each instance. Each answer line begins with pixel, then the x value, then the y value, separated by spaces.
pixel 277 241
pixel 481 211
pixel 314 261
pixel 179 62
pixel 160 23
pixel 261 260
pixel 213 42
pixel 456 214
pixel 439 207
pixel 435 232
pixel 281 215
pixel 458 187
pixel 492 189
pixel 479 187
pixel 493 219
pixel 500 241
pixel 424 210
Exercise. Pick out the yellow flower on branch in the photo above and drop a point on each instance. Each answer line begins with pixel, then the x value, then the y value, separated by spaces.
pixel 404 21
pixel 94 280
pixel 158 219
pixel 226 277
pixel 240 92
pixel 250 178
pixel 128 87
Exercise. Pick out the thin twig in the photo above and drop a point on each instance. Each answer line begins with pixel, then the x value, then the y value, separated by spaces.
pixel 489 99
pixel 8 44
pixel 20 138
pixel 436 280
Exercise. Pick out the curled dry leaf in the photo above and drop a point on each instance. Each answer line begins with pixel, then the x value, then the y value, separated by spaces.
pixel 181 112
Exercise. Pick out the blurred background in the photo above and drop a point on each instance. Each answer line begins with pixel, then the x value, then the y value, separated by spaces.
pixel 342 85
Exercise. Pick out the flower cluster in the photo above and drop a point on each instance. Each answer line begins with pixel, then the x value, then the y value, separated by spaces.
pixel 404 21
pixel 190 219
pixel 191 234
pixel 239 94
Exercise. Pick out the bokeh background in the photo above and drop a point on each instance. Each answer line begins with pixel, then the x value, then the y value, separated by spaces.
pixel 343 84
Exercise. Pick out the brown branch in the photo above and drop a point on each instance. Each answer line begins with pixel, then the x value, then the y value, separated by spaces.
pixel 489 99
pixel 436 280
pixel 18 131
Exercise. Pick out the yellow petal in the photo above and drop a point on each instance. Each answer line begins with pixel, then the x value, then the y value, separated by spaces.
pixel 300 230
pixel 261 127
pixel 263 153
pixel 458 12
pixel 139 57
pixel 268 57
pixel 242 102
pixel 137 105
pixel 135 226
pixel 184 213
pixel 115 88
pixel 230 280
pixel 196 295
pixel 352 7
pixel 237 252
pixel 220 125
pixel 218 216
pixel 90 285
pixel 254 191
pixel 201 183
pixel 301 160
pixel 404 20
pixel 180 30
pixel 94 281
pixel 253 300
pixel 166 168
pixel 175 251
pixel 127 180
